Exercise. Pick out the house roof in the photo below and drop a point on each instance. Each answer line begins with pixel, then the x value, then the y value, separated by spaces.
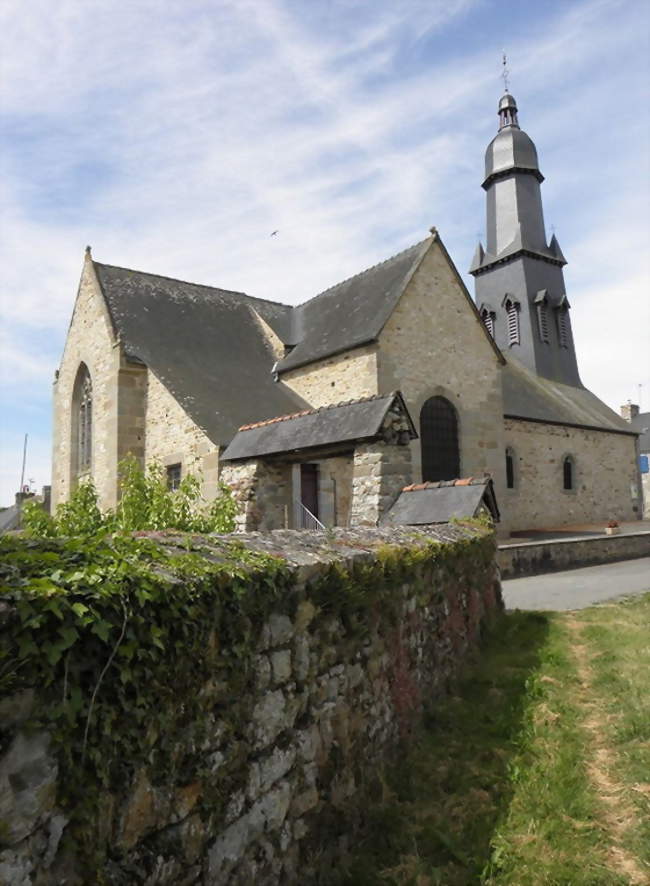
pixel 442 501
pixel 341 423
pixel 641 424
pixel 353 312
pixel 10 518
pixel 204 344
pixel 535 398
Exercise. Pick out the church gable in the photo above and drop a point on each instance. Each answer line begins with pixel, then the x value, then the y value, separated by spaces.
pixel 435 346
pixel 433 316
pixel 84 421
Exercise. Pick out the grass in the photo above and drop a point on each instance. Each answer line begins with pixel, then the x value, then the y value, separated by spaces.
pixel 535 772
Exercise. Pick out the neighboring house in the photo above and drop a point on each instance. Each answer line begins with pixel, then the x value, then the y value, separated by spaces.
pixel 640 422
pixel 10 518
pixel 324 411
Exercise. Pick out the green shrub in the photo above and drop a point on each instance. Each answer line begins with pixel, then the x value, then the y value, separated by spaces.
pixel 145 504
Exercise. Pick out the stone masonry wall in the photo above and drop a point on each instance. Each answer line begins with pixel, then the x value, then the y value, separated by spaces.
pixel 380 470
pixel 605 474
pixel 268 787
pixel 338 379
pixel 91 341
pixel 434 345
pixel 173 438
pixel 262 491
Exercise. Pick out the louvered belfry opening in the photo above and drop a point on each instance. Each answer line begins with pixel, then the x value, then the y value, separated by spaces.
pixel 488 318
pixel 542 316
pixel 512 312
pixel 439 440
pixel 563 327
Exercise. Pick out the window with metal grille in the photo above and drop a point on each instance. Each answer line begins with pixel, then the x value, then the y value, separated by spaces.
pixel 563 327
pixel 83 399
pixel 567 473
pixel 439 440
pixel 488 317
pixel 512 313
pixel 542 320
pixel 510 468
pixel 173 476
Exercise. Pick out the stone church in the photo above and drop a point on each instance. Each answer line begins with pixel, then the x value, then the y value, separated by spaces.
pixel 322 413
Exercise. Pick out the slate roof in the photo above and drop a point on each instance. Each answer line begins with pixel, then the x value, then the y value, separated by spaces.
pixel 353 312
pixel 204 344
pixel 641 424
pixel 444 500
pixel 530 396
pixel 10 518
pixel 341 423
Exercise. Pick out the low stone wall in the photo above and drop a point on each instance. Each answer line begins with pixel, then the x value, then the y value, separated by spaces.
pixel 535 558
pixel 279 711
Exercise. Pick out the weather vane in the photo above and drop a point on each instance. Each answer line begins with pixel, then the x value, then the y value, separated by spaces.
pixel 505 73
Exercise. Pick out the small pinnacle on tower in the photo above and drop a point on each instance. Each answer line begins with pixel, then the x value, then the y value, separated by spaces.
pixel 88 252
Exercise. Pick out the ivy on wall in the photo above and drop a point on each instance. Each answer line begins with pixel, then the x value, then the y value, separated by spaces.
pixel 117 634
pixel 137 643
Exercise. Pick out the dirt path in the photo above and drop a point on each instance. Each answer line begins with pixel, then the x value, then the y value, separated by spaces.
pixel 616 814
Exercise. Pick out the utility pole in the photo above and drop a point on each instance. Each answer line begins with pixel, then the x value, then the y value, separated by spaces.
pixel 19 499
pixel 22 473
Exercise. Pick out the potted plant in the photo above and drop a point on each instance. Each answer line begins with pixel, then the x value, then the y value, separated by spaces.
pixel 612 528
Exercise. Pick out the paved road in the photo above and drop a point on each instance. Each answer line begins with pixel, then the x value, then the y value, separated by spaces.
pixel 578 588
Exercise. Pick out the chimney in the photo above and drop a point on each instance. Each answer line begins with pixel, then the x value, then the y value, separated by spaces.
pixel 629 411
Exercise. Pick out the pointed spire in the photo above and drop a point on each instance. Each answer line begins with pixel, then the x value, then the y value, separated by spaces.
pixel 554 247
pixel 477 261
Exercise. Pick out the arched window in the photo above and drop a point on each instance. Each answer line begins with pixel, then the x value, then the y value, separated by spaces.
pixel 439 440
pixel 568 473
pixel 82 421
pixel 512 313
pixel 510 468
pixel 488 317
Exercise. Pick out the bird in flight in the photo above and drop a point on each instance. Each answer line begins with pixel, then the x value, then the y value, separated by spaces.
pixel 274 233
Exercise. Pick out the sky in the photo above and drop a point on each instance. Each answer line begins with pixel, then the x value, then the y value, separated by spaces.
pixel 175 137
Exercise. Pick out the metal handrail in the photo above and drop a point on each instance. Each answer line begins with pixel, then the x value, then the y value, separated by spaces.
pixel 304 517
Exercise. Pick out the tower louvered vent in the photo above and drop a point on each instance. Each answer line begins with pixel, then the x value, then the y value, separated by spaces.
pixel 563 327
pixel 488 317
pixel 542 317
pixel 512 312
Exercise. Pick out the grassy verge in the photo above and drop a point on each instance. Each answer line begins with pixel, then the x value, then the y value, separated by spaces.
pixel 500 786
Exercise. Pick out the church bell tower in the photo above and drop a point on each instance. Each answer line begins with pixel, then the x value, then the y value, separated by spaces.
pixel 520 291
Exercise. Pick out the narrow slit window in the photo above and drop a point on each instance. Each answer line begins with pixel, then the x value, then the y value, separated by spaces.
pixel 510 469
pixel 512 313
pixel 567 473
pixel 173 476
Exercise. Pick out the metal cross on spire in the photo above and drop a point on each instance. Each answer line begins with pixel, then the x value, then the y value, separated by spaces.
pixel 505 72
